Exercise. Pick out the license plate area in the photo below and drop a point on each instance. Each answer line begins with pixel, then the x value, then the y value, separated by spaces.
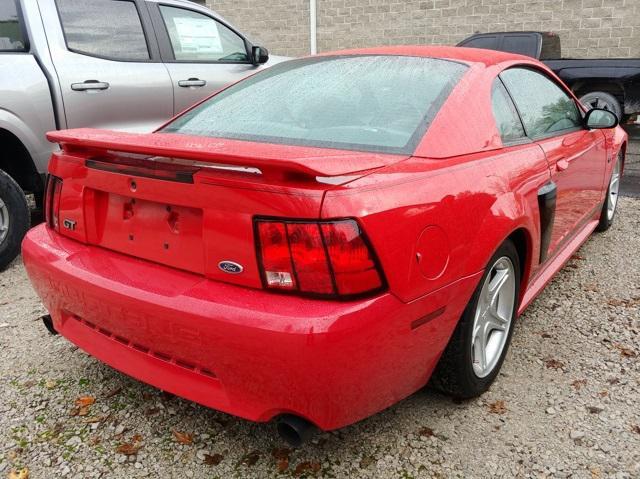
pixel 155 231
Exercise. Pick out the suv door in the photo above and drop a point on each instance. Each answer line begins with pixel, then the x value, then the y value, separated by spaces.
pixel 577 156
pixel 108 65
pixel 202 53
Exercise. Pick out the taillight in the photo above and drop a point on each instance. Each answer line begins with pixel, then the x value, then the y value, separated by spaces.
pixel 321 258
pixel 52 202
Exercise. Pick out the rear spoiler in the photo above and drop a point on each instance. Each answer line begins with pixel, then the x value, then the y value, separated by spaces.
pixel 269 158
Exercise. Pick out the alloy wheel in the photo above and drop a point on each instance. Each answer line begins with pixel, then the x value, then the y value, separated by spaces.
pixel 614 188
pixel 4 221
pixel 493 317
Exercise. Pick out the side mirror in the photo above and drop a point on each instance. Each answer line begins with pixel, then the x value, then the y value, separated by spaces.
pixel 259 55
pixel 599 119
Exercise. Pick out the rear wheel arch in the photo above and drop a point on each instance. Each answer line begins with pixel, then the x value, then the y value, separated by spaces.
pixel 523 241
pixel 16 161
pixel 519 226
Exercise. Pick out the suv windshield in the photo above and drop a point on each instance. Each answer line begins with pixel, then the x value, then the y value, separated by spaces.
pixel 375 103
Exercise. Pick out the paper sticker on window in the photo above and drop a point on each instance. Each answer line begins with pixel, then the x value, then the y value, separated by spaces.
pixel 198 35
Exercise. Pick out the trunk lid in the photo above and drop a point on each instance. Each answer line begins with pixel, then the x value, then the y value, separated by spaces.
pixel 189 202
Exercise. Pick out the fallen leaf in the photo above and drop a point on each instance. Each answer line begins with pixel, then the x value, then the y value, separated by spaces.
pixel 251 458
pixel 366 461
pixel 554 364
pixel 426 431
pixel 94 419
pixel 579 383
pixel 603 393
pixel 152 411
pixel 83 411
pixel 281 453
pixel 183 437
pixel 113 392
pixel 21 474
pixel 307 466
pixel 613 381
pixel 546 335
pixel 213 459
pixel 577 257
pixel 282 465
pixel 498 407
pixel 595 472
pixel 635 428
pixel 85 401
pixel 625 351
pixel 131 448
pixel 50 383
pixel 282 456
pixel 591 287
pixel 616 302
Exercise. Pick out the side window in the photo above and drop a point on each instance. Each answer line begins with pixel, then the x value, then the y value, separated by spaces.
pixel 11 38
pixel 521 44
pixel 103 28
pixel 487 42
pixel 199 38
pixel 544 107
pixel 507 119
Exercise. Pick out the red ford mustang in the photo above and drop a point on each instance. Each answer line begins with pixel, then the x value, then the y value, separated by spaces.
pixel 315 242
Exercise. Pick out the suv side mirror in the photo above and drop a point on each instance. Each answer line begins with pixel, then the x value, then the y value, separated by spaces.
pixel 259 55
pixel 599 119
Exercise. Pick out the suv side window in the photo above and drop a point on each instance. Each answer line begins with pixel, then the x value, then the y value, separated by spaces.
pixel 104 28
pixel 504 111
pixel 545 108
pixel 11 37
pixel 199 38
pixel 489 42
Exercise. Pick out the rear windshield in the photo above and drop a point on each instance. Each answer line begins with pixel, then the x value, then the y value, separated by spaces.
pixel 374 103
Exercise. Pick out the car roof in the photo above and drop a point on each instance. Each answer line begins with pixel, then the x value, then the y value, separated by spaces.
pixel 461 54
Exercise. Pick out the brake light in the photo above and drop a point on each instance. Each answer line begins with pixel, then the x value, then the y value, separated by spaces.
pixel 323 258
pixel 52 202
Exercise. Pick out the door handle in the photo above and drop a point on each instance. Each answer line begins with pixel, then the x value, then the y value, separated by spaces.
pixel 562 165
pixel 90 85
pixel 192 82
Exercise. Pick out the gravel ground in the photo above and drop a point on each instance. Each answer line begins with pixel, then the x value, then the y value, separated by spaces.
pixel 565 404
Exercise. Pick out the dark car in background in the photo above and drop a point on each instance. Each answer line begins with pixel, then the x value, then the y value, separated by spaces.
pixel 612 84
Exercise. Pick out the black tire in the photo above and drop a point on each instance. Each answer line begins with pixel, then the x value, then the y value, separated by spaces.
pixel 605 219
pixel 17 211
pixel 600 99
pixel 454 374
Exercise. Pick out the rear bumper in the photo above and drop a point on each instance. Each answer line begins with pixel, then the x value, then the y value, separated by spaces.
pixel 246 352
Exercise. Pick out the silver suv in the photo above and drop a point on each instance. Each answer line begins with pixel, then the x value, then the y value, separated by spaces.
pixel 116 64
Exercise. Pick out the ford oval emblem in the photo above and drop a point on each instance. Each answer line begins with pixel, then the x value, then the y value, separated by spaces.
pixel 230 267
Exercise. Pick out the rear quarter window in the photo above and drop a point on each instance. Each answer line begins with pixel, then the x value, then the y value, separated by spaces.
pixel 104 28
pixel 379 103
pixel 11 32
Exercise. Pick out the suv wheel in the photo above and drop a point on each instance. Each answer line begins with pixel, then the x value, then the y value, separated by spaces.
pixel 606 101
pixel 14 219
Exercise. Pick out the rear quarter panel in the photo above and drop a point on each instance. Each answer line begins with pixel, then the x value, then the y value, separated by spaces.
pixel 433 222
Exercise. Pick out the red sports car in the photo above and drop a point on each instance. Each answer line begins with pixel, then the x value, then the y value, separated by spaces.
pixel 318 241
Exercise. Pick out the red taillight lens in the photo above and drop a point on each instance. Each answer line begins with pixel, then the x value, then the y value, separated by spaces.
pixel 353 264
pixel 325 258
pixel 52 201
